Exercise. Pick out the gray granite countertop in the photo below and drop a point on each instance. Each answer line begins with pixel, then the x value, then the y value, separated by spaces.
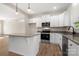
pixel 20 35
pixel 73 37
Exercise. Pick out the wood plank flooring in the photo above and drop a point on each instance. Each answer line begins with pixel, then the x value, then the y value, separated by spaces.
pixel 48 49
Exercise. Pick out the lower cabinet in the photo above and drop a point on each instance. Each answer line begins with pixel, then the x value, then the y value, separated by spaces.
pixel 72 48
pixel 56 39
pixel 52 38
pixel 27 46
pixel 33 45
pixel 65 46
pixel 77 51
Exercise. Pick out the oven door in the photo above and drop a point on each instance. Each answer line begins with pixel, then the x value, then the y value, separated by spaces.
pixel 45 36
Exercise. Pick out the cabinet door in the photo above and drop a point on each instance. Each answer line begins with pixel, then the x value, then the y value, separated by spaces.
pixel 56 38
pixel 77 50
pixel 59 36
pixel 33 45
pixel 72 48
pixel 52 38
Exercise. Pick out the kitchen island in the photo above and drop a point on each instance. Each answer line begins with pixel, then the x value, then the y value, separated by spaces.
pixel 23 44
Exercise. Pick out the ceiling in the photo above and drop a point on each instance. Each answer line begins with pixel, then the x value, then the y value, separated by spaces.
pixel 7 13
pixel 39 8
pixel 8 10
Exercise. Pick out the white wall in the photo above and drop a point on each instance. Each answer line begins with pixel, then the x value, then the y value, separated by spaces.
pixel 14 27
pixel 1 26
pixel 67 17
pixel 75 15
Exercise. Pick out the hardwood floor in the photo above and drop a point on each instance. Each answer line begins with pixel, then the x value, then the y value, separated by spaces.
pixel 48 49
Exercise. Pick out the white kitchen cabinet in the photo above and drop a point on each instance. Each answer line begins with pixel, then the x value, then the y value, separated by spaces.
pixel 72 48
pixel 34 45
pixel 24 45
pixel 52 38
pixel 77 50
pixel 59 39
pixel 57 20
pixel 56 39
pixel 54 21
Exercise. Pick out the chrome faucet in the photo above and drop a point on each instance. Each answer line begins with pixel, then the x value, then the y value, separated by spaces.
pixel 72 28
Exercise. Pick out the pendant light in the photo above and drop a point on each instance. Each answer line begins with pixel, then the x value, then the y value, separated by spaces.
pixel 16 8
pixel 29 7
pixel 29 10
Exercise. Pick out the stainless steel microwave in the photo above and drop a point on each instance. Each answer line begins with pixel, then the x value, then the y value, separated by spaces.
pixel 46 24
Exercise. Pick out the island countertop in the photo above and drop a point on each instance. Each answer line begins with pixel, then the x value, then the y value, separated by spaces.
pixel 72 37
pixel 20 35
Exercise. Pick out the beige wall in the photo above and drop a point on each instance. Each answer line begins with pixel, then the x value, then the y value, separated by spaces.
pixel 17 27
pixel 75 15
pixel 13 27
pixel 1 27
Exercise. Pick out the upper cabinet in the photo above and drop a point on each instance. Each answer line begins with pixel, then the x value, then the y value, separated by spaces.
pixel 37 21
pixel 63 19
pixel 57 20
